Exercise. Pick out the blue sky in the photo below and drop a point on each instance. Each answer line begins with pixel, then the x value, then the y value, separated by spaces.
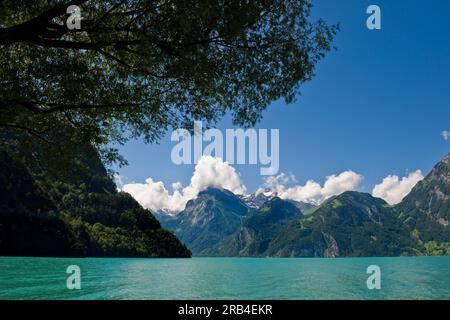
pixel 376 106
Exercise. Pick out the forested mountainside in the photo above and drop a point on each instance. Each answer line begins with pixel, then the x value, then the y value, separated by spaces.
pixel 80 213
pixel 350 224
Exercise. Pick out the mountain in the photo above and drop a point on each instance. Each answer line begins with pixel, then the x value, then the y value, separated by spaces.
pixel 43 213
pixel 265 233
pixel 256 200
pixel 304 207
pixel 355 224
pixel 426 209
pixel 207 220
pixel 219 223
pixel 351 224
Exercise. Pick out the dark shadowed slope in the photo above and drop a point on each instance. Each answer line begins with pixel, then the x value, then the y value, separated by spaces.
pixel 79 215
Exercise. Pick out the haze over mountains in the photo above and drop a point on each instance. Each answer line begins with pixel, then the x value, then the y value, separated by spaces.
pixel 220 223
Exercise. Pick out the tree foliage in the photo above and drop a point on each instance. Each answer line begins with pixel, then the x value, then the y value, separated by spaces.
pixel 139 68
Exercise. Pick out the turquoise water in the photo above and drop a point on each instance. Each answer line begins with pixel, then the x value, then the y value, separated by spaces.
pixel 225 278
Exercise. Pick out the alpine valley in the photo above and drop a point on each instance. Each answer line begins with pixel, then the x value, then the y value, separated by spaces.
pixel 220 223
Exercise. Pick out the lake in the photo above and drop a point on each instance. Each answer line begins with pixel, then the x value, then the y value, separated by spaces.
pixel 225 278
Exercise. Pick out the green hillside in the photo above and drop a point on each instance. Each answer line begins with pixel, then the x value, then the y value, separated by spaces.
pixel 80 213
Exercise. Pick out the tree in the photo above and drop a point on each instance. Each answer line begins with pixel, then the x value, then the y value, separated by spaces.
pixel 139 68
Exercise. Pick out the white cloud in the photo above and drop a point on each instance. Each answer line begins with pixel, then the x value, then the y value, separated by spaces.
pixel 445 134
pixel 282 178
pixel 393 190
pixel 177 185
pixel 214 172
pixel 118 180
pixel 311 191
pixel 209 172
pixel 337 184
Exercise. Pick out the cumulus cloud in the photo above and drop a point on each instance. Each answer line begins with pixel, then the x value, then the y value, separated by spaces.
pixel 118 180
pixel 311 192
pixel 445 134
pixel 282 178
pixel 209 172
pixel 177 185
pixel 214 172
pixel 393 189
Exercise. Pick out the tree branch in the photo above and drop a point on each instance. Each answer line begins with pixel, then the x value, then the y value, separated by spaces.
pixel 31 131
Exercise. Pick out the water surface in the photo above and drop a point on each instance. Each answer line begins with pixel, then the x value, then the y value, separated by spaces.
pixel 225 278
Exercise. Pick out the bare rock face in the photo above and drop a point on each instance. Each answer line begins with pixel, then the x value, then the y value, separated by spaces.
pixel 207 220
pixel 332 250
